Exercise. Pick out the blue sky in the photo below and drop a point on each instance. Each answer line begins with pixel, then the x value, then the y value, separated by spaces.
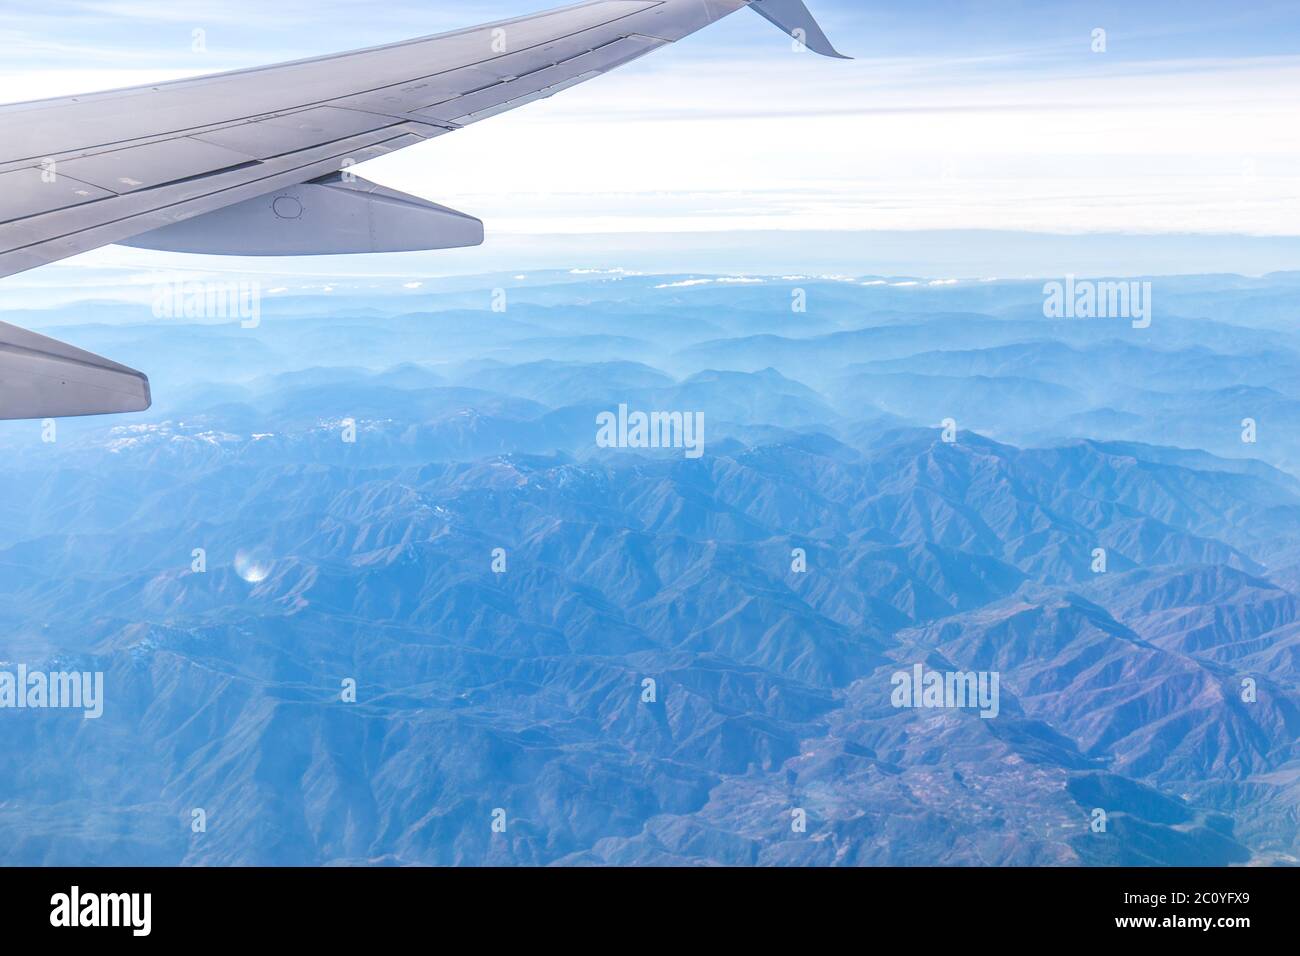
pixel 954 116
pixel 126 33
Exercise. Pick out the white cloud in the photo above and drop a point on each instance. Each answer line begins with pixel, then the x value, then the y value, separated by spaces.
pixel 701 138
pixel 1166 147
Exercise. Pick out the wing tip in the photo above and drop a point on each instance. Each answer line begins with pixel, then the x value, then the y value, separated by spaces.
pixel 148 393
pixel 794 17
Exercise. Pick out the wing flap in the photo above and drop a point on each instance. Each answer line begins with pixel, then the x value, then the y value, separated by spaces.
pixel 41 377
pixel 27 192
pixel 278 135
pixel 541 81
pixel 153 164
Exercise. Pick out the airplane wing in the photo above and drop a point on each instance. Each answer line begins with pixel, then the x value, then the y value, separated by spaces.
pixel 255 162
pixel 42 378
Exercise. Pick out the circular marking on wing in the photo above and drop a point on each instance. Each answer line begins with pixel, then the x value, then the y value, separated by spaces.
pixel 287 207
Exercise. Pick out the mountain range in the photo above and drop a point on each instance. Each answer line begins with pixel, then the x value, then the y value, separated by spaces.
pixel 642 658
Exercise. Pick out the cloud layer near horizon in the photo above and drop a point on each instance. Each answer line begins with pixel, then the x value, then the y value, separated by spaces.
pixel 1005 121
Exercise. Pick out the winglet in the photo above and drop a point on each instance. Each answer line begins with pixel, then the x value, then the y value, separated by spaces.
pixel 794 18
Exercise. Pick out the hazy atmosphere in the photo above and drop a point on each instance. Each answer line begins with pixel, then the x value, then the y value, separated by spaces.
pixel 881 462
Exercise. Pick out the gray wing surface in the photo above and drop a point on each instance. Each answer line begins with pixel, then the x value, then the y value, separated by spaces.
pixel 85 171
pixel 260 152
pixel 42 378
